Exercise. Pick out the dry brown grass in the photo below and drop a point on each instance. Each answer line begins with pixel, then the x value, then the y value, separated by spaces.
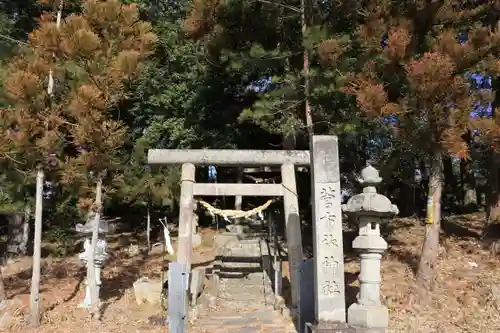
pixel 62 289
pixel 464 298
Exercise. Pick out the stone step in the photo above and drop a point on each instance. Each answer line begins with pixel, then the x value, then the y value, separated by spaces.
pixel 247 295
pixel 245 300
pixel 249 318
pixel 249 329
pixel 239 267
pixel 243 284
pixel 258 293
pixel 247 251
pixel 241 253
pixel 251 321
pixel 241 260
pixel 244 241
pixel 246 282
pixel 242 305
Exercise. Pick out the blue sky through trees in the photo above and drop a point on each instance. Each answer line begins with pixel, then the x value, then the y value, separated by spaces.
pixel 477 81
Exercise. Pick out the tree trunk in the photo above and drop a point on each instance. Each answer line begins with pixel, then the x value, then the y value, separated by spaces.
pixel 18 233
pixel 3 294
pixel 423 189
pixel 37 252
pixel 25 233
pixel 481 198
pixel 450 197
pixel 462 182
pixel 289 142
pixel 406 199
pixel 305 67
pixel 430 249
pixel 493 197
pixel 148 228
pixel 493 192
pixel 91 271
pixel 468 179
pixel 449 175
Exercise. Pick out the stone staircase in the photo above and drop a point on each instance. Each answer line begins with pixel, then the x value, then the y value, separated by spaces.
pixel 244 300
pixel 242 275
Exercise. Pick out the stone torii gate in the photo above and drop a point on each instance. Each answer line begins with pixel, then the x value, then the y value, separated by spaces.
pixel 189 159
pixel 369 207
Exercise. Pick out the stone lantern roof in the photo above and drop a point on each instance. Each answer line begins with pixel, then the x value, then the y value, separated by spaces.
pixel 370 203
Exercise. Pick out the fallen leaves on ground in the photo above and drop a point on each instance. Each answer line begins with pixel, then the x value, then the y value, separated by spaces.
pixel 465 297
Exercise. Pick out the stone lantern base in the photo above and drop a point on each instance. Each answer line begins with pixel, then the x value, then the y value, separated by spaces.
pixel 375 317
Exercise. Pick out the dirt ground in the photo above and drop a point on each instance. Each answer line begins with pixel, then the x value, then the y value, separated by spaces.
pixel 465 296
pixel 63 288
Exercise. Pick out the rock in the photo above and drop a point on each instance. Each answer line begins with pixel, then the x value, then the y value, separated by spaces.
pixel 197 282
pixel 158 320
pixel 148 291
pixel 133 250
pixel 237 228
pixel 6 320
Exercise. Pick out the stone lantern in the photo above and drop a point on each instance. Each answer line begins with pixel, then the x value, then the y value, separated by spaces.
pixel 100 254
pixel 370 209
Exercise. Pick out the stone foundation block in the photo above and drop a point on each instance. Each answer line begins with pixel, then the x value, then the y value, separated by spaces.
pixel 366 316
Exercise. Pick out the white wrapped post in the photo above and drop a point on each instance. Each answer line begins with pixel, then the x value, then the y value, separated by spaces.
pixel 168 240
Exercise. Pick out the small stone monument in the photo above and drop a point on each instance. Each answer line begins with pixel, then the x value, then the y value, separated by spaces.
pixel 369 208
pixel 100 254
pixel 149 291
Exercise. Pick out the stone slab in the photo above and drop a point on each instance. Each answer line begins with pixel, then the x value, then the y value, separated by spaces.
pixel 197 282
pixel 374 317
pixel 335 327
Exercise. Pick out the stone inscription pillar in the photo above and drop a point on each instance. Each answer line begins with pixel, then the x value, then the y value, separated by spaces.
pixel 327 232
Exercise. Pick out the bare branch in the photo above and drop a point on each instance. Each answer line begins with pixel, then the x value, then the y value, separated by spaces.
pixel 295 9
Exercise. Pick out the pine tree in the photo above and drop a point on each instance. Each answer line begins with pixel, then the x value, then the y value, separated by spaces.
pixel 272 48
pixel 33 127
pixel 104 48
pixel 411 76
pixel 147 188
